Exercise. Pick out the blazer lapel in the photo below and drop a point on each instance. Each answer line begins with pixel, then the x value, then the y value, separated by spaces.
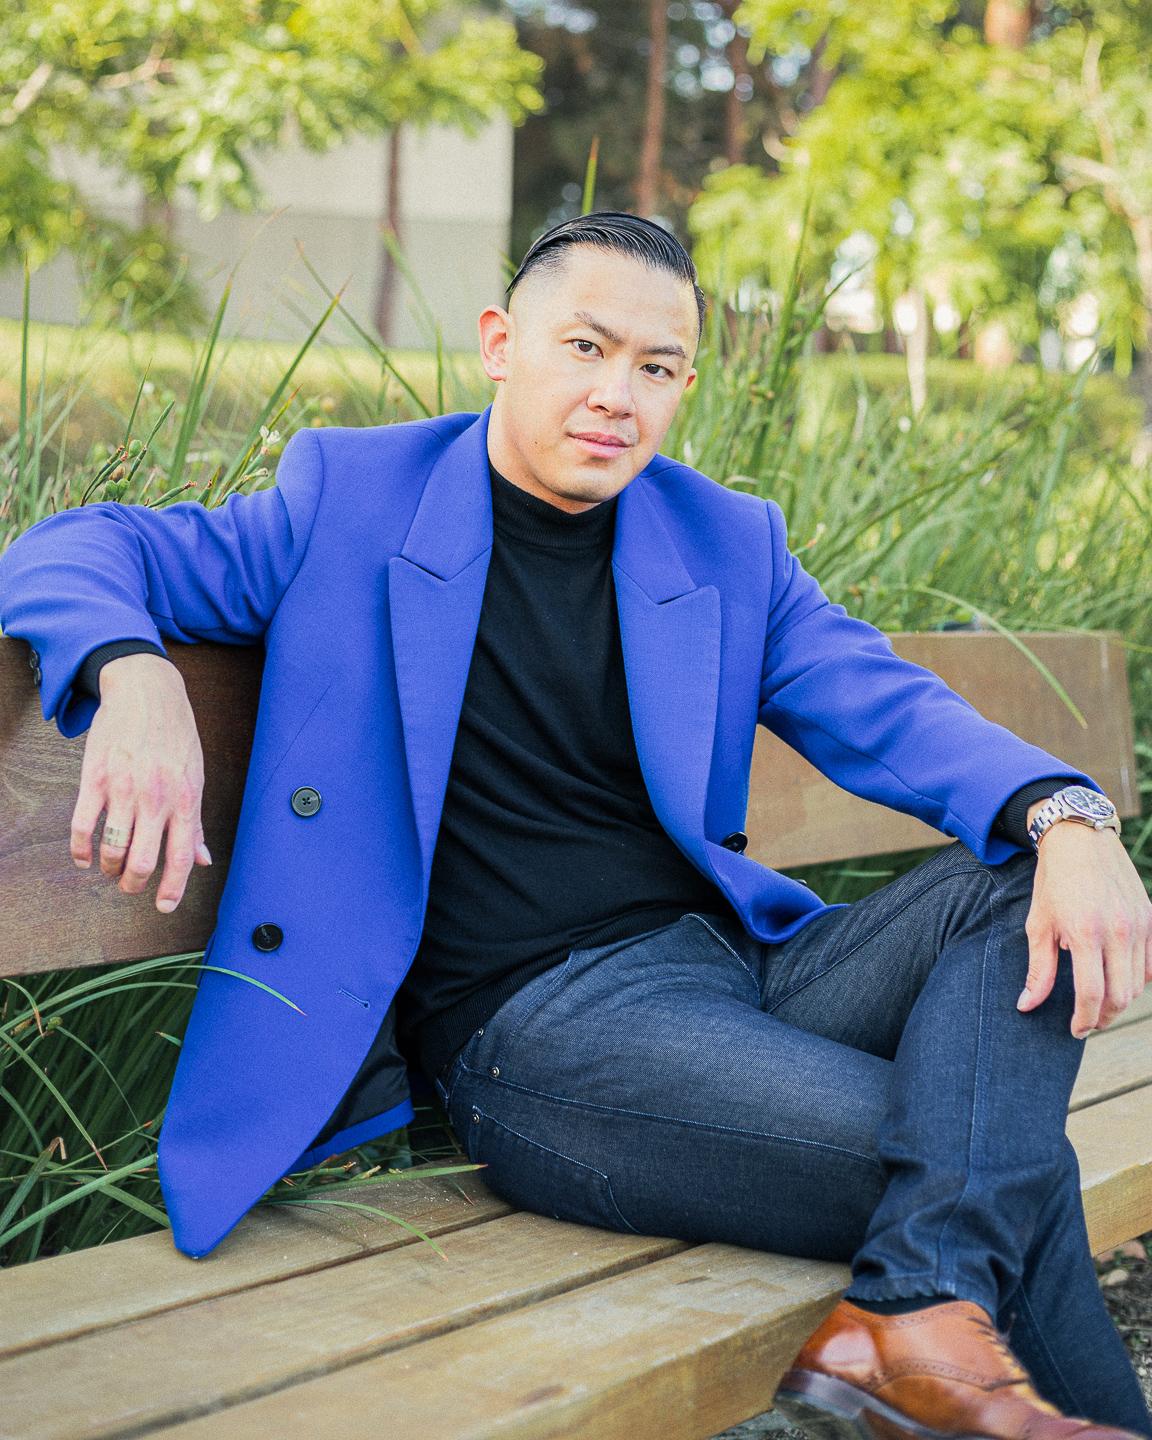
pixel 669 634
pixel 435 590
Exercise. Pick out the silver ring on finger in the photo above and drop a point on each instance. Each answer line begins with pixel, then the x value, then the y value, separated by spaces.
pixel 116 835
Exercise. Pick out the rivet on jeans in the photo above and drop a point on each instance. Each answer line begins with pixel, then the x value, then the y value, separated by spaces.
pixel 475 1117
pixel 495 1070
pixel 480 1031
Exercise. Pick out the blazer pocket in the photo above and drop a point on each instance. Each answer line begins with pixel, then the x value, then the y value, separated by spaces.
pixel 308 709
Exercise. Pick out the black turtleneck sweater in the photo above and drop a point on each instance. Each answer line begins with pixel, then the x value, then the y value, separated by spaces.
pixel 548 841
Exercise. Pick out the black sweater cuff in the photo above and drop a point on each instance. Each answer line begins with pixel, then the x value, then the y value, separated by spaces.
pixel 87 678
pixel 1012 821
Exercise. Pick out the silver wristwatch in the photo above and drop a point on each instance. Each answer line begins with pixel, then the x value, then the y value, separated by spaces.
pixel 1074 802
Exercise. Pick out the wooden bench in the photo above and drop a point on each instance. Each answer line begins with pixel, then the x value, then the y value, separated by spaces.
pixel 304 1320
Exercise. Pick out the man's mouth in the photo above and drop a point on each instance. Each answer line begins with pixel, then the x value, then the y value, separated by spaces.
pixel 598 442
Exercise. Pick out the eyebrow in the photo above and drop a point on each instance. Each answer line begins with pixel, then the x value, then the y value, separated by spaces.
pixel 609 334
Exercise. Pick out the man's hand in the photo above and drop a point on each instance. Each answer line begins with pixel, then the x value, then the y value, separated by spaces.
pixel 143 763
pixel 1088 898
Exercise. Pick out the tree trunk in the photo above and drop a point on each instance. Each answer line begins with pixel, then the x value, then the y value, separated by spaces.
pixel 652 146
pixel 993 346
pixel 821 76
pixel 158 213
pixel 1007 26
pixel 386 287
pixel 916 351
pixel 735 124
pixel 1008 23
pixel 1142 362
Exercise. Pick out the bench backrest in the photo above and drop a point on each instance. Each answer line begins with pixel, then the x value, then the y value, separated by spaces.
pixel 58 916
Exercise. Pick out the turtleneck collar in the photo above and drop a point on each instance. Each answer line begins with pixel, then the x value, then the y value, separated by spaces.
pixel 519 516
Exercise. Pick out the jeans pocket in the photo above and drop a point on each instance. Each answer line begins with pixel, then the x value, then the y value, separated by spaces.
pixel 501 1028
pixel 535 1177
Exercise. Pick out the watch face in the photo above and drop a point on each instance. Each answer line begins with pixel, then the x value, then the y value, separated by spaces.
pixel 1087 802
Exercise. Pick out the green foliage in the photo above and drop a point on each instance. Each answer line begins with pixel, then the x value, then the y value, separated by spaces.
pixel 183 95
pixel 1003 183
pixel 985 506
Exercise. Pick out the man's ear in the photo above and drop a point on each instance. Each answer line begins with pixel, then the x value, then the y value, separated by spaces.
pixel 494 325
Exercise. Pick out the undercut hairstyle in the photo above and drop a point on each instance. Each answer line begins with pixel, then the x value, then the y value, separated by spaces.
pixel 615 230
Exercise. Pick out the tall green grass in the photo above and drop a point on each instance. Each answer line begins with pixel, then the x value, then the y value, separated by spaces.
pixel 1004 511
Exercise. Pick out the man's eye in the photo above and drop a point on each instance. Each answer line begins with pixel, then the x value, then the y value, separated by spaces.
pixel 651 364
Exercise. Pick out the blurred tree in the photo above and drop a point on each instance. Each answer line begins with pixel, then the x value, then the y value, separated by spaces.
pixel 597 56
pixel 655 108
pixel 1005 182
pixel 181 94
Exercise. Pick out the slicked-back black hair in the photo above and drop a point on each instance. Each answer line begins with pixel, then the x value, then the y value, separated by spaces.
pixel 613 230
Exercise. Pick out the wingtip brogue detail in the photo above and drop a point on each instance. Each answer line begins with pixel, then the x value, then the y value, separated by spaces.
pixel 944 1372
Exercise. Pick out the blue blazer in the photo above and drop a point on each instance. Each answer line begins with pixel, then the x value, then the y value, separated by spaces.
pixel 362 572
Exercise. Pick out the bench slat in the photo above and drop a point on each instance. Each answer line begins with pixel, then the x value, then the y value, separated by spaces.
pixel 260 1340
pixel 1112 1145
pixel 689 1345
pixel 128 1279
pixel 696 1334
pixel 1113 1063
pixel 683 1346
pixel 798 817
pixel 67 1295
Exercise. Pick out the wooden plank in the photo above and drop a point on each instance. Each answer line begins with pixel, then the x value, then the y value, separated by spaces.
pixel 1115 1060
pixel 57 916
pixel 796 816
pixel 699 1338
pixel 260 1340
pixel 68 1295
pixel 686 1346
pixel 1113 1143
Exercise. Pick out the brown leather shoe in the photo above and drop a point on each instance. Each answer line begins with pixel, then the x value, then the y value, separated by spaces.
pixel 937 1374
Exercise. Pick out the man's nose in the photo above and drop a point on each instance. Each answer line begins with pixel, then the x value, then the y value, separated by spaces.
pixel 613 391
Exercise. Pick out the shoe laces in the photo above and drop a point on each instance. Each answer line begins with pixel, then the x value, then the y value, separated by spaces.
pixel 1000 1340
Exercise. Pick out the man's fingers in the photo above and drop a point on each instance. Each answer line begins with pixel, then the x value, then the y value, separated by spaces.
pixel 89 804
pixel 141 859
pixel 1043 958
pixel 1088 965
pixel 185 839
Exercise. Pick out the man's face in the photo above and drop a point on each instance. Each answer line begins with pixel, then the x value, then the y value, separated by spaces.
pixel 603 348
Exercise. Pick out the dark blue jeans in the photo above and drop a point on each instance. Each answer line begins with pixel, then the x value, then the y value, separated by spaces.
pixel 866 1092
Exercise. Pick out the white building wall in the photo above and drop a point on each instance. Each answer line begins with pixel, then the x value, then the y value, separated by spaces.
pixel 456 202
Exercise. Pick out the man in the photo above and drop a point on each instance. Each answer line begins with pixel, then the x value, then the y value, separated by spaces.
pixel 514 666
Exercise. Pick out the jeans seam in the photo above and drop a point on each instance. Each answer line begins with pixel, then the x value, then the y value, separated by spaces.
pixel 694 915
pixel 678 1120
pixel 991 949
pixel 555 975
pixel 1020 1299
pixel 887 920
pixel 560 1155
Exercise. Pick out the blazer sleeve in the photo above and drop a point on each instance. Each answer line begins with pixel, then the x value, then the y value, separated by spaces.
pixel 93 574
pixel 881 726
